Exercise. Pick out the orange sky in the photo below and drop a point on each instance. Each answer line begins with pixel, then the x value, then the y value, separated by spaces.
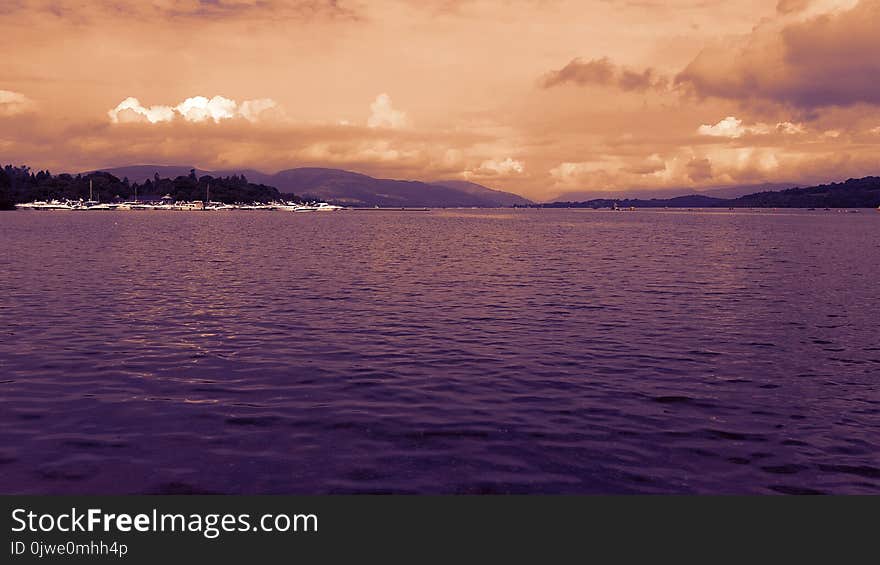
pixel 539 97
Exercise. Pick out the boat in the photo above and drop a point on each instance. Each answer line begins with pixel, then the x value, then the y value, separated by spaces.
pixel 46 205
pixel 101 206
pixel 218 206
pixel 91 203
pixel 325 207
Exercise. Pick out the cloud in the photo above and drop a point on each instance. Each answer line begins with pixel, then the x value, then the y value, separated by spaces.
pixel 615 172
pixel 163 10
pixel 12 103
pixel 384 115
pixel 789 128
pixel 494 168
pixel 195 109
pixel 791 6
pixel 699 169
pixel 131 110
pixel 821 61
pixel 252 109
pixel 652 165
pixel 733 128
pixel 603 72
pixel 728 127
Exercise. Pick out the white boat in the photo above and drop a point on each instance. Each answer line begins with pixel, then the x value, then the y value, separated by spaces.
pixel 218 206
pixel 99 206
pixel 324 207
pixel 50 205
pixel 91 203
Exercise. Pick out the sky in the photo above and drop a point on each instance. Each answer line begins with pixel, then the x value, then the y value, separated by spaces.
pixel 544 98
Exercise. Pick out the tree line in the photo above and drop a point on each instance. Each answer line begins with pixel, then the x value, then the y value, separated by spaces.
pixel 21 184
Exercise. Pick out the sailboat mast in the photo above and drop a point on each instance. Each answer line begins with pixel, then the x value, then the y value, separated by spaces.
pixel 90 191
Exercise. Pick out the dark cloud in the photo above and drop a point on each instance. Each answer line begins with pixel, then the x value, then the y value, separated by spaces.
pixel 828 60
pixel 603 72
pixel 81 11
pixel 699 170
pixel 792 6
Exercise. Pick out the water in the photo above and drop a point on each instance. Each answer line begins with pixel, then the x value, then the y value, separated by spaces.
pixel 532 351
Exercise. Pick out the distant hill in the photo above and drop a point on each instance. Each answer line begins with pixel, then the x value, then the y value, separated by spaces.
pixel 504 198
pixel 355 189
pixel 687 201
pixel 853 193
pixel 348 188
pixel 736 191
pixel 733 191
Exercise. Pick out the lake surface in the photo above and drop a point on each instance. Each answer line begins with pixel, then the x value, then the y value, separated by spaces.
pixel 457 351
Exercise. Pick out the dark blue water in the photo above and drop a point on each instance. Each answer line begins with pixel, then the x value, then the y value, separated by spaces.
pixel 445 352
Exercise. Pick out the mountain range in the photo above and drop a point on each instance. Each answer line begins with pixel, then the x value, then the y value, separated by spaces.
pixel 356 189
pixel 348 188
pixel 726 191
pixel 852 193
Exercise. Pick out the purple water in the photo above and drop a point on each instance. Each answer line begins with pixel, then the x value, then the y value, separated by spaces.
pixel 522 351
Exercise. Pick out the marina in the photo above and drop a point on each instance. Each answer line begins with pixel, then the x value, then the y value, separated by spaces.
pixel 182 206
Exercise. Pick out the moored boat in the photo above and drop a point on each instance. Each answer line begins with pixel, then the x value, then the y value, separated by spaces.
pixel 325 207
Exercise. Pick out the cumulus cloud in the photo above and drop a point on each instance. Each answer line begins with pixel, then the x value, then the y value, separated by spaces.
pixel 200 108
pixel 12 103
pixel 384 115
pixel 652 165
pixel 194 109
pixel 686 167
pixel 789 128
pixel 615 172
pixel 603 72
pixel 131 110
pixel 824 60
pixel 574 174
pixel 728 127
pixel 494 167
pixel 251 109
pixel 733 128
